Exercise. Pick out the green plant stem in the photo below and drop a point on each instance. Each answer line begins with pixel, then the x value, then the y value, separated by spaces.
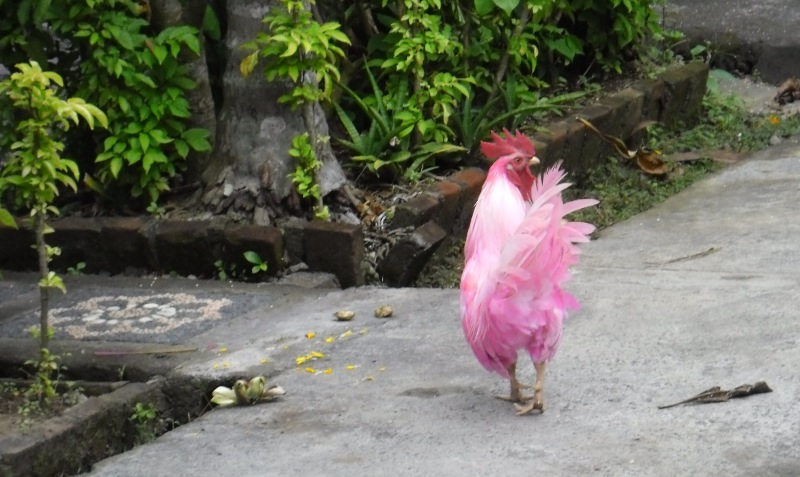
pixel 503 67
pixel 308 118
pixel 44 271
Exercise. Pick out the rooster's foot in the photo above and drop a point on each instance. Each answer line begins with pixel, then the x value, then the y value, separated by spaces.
pixel 534 404
pixel 519 398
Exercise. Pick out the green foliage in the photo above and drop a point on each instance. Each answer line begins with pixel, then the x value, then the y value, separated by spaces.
pixel 232 271
pixel 224 271
pixel 77 269
pixel 144 418
pixel 142 84
pixel 112 60
pixel 387 144
pixel 305 172
pixel 259 264
pixel 300 49
pixel 449 72
pixel 45 377
pixel 33 169
pixel 143 413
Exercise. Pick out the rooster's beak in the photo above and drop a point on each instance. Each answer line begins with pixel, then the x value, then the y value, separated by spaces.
pixel 534 161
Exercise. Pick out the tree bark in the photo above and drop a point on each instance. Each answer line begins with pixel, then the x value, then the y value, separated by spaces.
pixel 254 132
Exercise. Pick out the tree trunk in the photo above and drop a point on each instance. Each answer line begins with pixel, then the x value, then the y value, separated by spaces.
pixel 251 164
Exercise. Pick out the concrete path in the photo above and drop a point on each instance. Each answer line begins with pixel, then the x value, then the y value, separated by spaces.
pixel 698 292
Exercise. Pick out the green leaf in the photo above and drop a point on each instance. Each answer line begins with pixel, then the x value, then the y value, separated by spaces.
pixel 197 138
pixel 183 82
pixel 144 141
pixel 152 156
pixel 41 10
pixel 248 64
pixel 160 52
pixel 115 166
pixel 109 142
pixel 159 136
pixel 507 6
pixel 253 257
pixel 182 148
pixel 132 128
pixel 24 11
pixel 211 24
pixel 7 219
pixel 145 79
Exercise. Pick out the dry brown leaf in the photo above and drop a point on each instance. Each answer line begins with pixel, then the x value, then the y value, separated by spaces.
pixel 648 160
pixel 651 163
pixel 788 92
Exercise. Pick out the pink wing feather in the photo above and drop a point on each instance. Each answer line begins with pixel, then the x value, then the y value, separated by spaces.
pixel 511 292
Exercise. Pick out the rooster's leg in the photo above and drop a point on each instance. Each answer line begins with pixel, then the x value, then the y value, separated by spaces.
pixel 516 395
pixel 537 403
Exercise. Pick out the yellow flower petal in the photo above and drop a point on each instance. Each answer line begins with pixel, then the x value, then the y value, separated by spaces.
pixel 264 361
pixel 381 369
pixel 328 371
pixel 350 367
pixel 310 335
pixel 223 350
pixel 311 370
pixel 364 331
pixel 346 334
pixel 316 354
pixel 329 339
pixel 216 366
pixel 301 360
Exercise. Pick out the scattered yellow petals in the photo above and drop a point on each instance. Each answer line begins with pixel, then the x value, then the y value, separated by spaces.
pixel 328 371
pixel 346 334
pixel 222 350
pixel 311 335
pixel 226 365
pixel 264 361
pixel 311 370
pixel 216 366
pixel 381 369
pixel 309 357
pixel 364 331
pixel 351 367
pixel 329 339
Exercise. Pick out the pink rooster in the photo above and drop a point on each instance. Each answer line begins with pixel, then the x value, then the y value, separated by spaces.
pixel 518 252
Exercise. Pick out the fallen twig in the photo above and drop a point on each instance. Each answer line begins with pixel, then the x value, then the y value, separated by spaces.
pixel 716 394
pixel 687 257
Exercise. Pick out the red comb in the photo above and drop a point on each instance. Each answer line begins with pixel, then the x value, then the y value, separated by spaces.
pixel 511 144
